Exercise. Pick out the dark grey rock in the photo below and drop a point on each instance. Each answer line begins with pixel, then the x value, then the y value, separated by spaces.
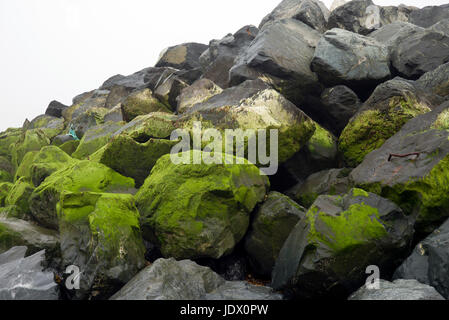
pixel 344 57
pixel 314 13
pixel 436 81
pixel 55 109
pixel 428 16
pixel 339 104
pixel 397 290
pixel 429 262
pixel 168 279
pixel 271 226
pixel 200 91
pixel 359 16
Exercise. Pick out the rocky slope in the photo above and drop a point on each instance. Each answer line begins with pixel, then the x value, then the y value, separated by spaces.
pixel 359 96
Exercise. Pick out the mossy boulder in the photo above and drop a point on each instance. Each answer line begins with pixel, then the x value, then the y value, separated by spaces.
pixel 417 180
pixel 15 232
pixel 271 226
pixel 392 104
pixel 134 159
pixel 100 233
pixel 38 165
pixel 327 253
pixel 95 138
pixel 140 103
pixel 70 147
pixel 19 195
pixel 8 138
pixel 76 177
pixel 199 210
pixel 50 125
pixel 254 105
pixel 153 125
pixel 5 188
pixel 30 140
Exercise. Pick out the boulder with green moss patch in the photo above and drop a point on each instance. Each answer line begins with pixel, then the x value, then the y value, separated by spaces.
pixel 6 170
pixel 95 138
pixel 133 158
pixel 271 226
pixel 38 165
pixel 140 103
pixel 70 147
pixel 328 252
pixel 392 104
pixel 8 138
pixel 100 234
pixel 157 125
pixel 77 177
pixel 19 195
pixel 418 181
pixel 199 210
pixel 50 125
pixel 30 140
pixel 256 106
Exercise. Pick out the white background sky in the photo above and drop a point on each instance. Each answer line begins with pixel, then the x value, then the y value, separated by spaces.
pixel 56 49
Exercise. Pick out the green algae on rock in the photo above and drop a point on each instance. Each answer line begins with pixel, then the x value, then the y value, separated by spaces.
pixel 419 182
pixel 140 103
pixel 38 165
pixel 271 226
pixel 329 251
pixel 392 104
pixel 19 195
pixel 199 210
pixel 96 138
pixel 30 140
pixel 5 188
pixel 79 176
pixel 100 233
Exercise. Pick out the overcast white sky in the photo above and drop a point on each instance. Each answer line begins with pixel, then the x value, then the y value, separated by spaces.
pixel 56 49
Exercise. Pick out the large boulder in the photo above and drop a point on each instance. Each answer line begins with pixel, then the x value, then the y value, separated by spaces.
pixel 313 13
pixel 344 57
pixel 200 91
pixel 145 139
pixel 254 105
pixel 168 279
pixel 199 210
pixel 140 103
pixel 9 138
pixel 23 278
pixel 330 182
pixel 100 234
pixel 338 105
pixel 168 91
pixel 360 16
pixel 15 232
pixel 95 99
pixel 391 33
pixel 430 15
pixel 78 176
pixel 391 105
pixel 55 109
pixel 397 290
pixel 30 140
pixel 183 56
pixel 328 252
pixel 96 138
pixel 436 81
pixel 415 53
pixel 289 68
pixel 38 165
pixel 219 58
pixel 411 168
pixel 51 126
pixel 271 226
pixel 429 262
